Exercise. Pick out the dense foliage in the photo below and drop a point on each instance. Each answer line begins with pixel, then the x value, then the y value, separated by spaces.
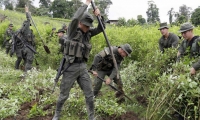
pixel 195 18
pixel 158 85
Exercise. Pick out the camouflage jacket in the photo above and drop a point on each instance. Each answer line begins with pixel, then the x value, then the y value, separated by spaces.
pixel 24 35
pixel 61 42
pixel 103 61
pixel 76 36
pixel 171 41
pixel 192 49
pixel 8 34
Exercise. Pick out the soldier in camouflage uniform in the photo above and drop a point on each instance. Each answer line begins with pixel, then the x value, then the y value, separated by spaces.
pixel 62 38
pixel 190 45
pixel 8 38
pixel 76 51
pixel 24 44
pixel 103 65
pixel 168 40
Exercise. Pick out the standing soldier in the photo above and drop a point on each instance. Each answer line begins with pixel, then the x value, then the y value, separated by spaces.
pixel 8 38
pixel 76 51
pixel 103 65
pixel 190 45
pixel 62 39
pixel 24 44
pixel 168 40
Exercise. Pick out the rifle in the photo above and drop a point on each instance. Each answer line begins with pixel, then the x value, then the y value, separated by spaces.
pixel 60 71
pixel 23 42
pixel 114 88
pixel 26 45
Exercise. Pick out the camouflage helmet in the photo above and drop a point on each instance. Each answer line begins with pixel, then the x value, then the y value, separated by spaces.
pixel 163 25
pixel 185 27
pixel 87 19
pixel 127 48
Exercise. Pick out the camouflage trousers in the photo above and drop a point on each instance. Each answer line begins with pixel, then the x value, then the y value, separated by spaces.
pixel 7 46
pixel 27 55
pixel 79 72
pixel 98 83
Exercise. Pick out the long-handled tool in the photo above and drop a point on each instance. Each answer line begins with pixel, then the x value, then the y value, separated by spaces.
pixel 108 43
pixel 113 87
pixel 45 46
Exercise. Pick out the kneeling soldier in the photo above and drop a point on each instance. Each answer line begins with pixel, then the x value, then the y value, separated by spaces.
pixel 103 65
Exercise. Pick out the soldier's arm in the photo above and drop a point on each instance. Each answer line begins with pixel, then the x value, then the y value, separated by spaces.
pixel 27 14
pixel 71 31
pixel 97 58
pixel 114 72
pixel 175 40
pixel 196 65
pixel 27 25
pixel 180 50
pixel 98 29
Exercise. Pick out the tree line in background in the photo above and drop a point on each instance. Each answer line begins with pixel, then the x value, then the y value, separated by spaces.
pixel 56 9
pixel 65 9
pixel 185 14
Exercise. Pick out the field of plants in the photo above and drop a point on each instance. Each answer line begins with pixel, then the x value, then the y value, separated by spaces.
pixel 159 87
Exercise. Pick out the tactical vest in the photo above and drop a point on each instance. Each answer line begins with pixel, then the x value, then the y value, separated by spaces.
pixel 77 47
pixel 107 61
pixel 195 49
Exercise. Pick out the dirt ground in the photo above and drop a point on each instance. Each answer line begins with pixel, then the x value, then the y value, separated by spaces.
pixel 25 108
pixel 22 114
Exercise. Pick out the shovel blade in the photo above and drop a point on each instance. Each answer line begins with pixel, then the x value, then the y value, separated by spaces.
pixel 46 49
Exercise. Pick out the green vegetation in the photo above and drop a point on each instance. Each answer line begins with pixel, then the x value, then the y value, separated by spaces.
pixel 158 86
